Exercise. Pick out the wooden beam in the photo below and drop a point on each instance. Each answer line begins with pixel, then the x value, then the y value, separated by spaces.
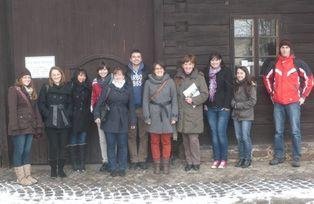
pixel 158 30
pixel 6 77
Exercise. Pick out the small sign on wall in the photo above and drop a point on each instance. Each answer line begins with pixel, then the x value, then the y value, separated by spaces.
pixel 39 66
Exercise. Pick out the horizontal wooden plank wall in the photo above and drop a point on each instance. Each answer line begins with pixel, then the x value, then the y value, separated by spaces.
pixel 76 30
pixel 203 26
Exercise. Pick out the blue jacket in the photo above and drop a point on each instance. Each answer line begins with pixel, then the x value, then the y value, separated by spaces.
pixel 137 80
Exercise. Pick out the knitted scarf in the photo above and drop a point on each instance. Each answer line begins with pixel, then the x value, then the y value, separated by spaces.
pixel 212 82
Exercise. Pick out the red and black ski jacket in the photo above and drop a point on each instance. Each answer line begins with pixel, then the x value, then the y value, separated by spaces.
pixel 287 79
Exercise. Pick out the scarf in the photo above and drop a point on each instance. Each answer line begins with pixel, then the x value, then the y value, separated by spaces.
pixel 29 91
pixel 212 82
pixel 118 84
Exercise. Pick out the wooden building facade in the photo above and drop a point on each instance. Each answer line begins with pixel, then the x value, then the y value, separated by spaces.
pixel 81 33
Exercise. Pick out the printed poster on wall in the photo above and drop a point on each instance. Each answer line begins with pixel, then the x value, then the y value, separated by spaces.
pixel 39 66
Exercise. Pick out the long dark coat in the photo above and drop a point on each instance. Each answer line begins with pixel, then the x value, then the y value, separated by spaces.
pixel 81 95
pixel 122 112
pixel 55 105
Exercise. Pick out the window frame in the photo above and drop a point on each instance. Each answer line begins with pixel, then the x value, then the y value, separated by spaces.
pixel 256 37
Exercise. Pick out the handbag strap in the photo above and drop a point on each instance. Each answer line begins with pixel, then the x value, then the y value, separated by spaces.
pixel 157 92
pixel 25 98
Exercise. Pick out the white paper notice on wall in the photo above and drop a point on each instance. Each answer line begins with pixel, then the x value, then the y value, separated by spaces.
pixel 39 66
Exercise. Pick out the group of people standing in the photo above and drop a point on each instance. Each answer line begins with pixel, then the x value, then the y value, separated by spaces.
pixel 138 102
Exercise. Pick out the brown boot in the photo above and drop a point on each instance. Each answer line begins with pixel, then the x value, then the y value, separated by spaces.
pixel 157 167
pixel 166 166
pixel 21 179
pixel 27 172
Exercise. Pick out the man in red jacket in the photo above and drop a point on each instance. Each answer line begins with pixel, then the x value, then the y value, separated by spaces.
pixel 289 81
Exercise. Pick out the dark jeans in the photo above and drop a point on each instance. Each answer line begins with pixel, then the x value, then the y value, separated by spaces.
pixel 57 140
pixel 243 133
pixel 117 151
pixel 21 149
pixel 78 138
pixel 218 122
pixel 293 112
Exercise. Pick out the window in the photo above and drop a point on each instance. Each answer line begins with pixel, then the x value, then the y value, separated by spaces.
pixel 254 40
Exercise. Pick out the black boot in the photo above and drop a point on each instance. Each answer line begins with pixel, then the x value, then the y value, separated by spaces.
pixel 246 163
pixel 60 168
pixel 53 165
pixel 239 163
pixel 81 151
pixel 73 156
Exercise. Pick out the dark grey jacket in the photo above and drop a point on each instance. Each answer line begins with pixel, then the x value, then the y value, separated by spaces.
pixel 122 112
pixel 163 108
pixel 243 104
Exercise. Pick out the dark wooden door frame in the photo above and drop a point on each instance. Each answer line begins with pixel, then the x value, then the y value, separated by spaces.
pixel 7 76
pixel 158 30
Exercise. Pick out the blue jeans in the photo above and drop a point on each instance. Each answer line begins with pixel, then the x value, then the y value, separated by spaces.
pixel 117 151
pixel 218 122
pixel 21 149
pixel 78 138
pixel 243 134
pixel 293 111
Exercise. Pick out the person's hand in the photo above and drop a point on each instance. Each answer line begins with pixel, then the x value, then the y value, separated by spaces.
pixel 188 100
pixel 225 109
pixel 132 127
pixel 301 100
pixel 205 108
pixel 97 120
pixel 173 122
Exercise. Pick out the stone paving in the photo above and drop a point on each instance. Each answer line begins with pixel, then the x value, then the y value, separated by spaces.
pixel 259 184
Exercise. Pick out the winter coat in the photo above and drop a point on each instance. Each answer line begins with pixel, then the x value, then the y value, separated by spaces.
pixel 81 94
pixel 243 103
pixel 191 116
pixel 287 79
pixel 224 89
pixel 24 116
pixel 55 105
pixel 138 87
pixel 122 112
pixel 163 108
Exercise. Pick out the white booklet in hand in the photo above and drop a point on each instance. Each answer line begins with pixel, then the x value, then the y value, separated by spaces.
pixel 191 91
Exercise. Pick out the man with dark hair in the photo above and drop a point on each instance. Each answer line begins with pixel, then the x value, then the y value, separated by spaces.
pixel 289 81
pixel 137 74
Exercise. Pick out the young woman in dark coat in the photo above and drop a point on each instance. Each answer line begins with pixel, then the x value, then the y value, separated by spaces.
pixel 243 102
pixel 81 93
pixel 219 81
pixel 55 104
pixel 119 96
pixel 24 123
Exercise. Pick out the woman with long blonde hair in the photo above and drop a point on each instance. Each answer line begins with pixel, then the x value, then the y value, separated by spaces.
pixel 55 104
